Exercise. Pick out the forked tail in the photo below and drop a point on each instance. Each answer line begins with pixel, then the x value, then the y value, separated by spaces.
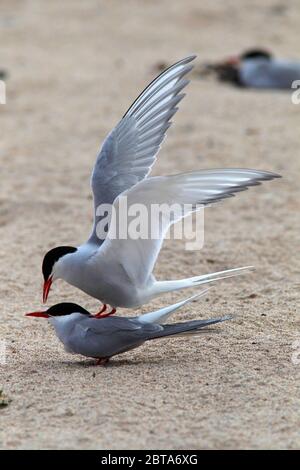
pixel 161 315
pixel 161 287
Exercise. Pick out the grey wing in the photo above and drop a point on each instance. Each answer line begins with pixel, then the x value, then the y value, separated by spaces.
pixel 113 335
pixel 130 150
pixel 183 193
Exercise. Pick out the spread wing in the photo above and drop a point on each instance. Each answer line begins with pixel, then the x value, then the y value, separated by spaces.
pixel 130 150
pixel 187 190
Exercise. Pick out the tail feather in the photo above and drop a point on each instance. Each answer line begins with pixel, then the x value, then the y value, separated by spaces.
pixel 189 327
pixel 161 315
pixel 170 286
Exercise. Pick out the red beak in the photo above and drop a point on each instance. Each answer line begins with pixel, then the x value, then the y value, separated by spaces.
pixel 37 314
pixel 233 60
pixel 46 289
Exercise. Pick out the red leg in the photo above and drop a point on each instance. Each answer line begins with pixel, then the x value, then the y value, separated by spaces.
pixel 103 315
pixel 102 361
pixel 103 309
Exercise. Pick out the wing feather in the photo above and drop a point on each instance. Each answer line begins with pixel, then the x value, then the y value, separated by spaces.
pixel 130 150
pixel 204 187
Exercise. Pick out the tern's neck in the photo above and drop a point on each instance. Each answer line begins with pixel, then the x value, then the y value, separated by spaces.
pixel 70 267
pixel 64 324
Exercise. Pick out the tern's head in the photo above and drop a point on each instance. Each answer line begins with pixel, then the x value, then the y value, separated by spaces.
pixel 256 54
pixel 60 310
pixel 229 69
pixel 251 54
pixel 52 264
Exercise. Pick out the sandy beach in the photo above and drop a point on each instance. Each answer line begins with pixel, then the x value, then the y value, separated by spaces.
pixel 73 70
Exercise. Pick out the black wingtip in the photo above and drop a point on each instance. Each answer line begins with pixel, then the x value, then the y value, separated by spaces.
pixel 191 57
pixel 270 175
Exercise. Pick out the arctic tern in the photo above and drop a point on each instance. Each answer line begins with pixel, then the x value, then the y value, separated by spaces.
pixel 116 271
pixel 257 68
pixel 82 333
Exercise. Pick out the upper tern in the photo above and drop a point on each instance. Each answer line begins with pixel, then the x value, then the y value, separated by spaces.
pixel 82 333
pixel 116 271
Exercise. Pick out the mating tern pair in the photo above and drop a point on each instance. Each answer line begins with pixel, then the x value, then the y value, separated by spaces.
pixel 119 272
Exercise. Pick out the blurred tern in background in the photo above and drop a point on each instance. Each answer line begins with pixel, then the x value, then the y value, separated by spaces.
pixel 257 68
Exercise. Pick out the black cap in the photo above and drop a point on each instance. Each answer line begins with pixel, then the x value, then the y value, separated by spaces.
pixel 255 54
pixel 52 256
pixel 65 308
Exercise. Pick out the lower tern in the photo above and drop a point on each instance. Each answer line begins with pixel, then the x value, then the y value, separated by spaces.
pixel 119 272
pixel 84 334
